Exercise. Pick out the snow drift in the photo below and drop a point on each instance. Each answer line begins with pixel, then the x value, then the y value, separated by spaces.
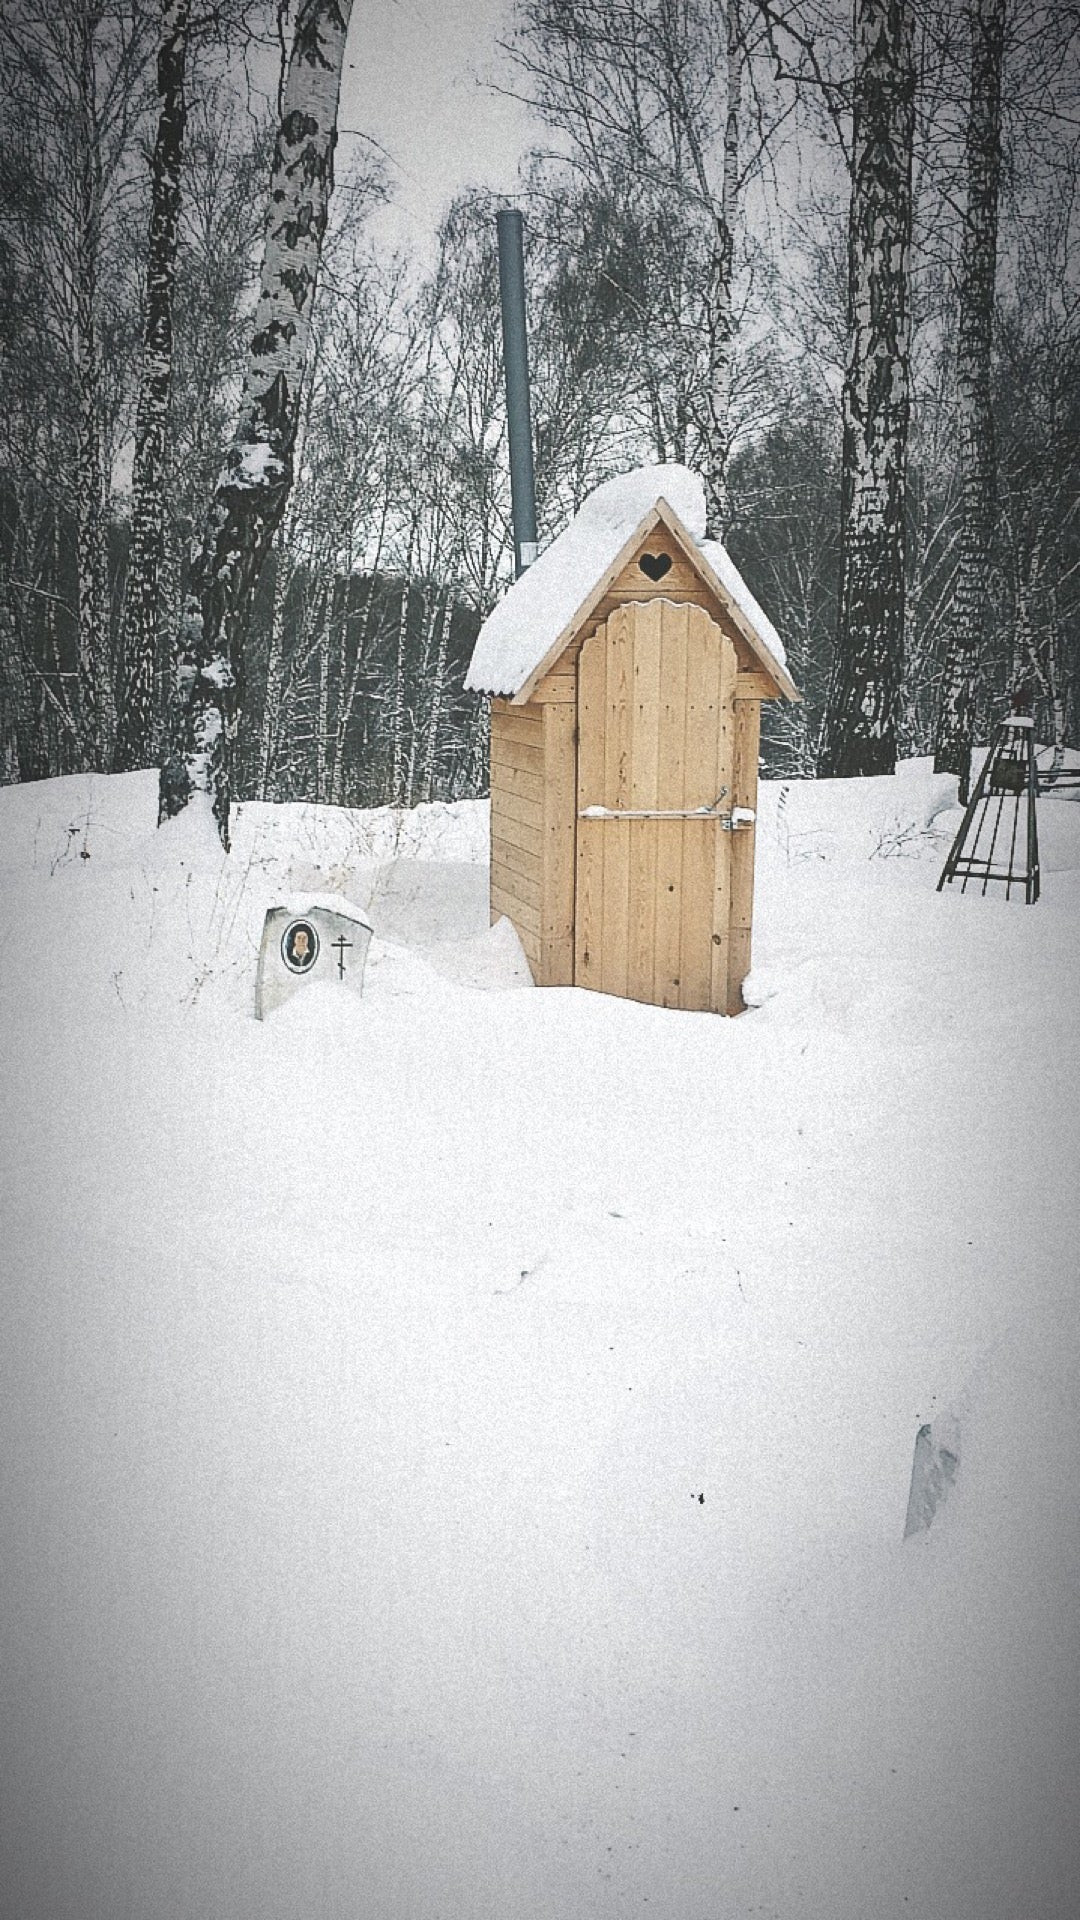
pixel 455 1448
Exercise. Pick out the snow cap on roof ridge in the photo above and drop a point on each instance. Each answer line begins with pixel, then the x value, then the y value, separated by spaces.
pixel 539 606
pixel 531 615
pixel 735 586
pixel 622 502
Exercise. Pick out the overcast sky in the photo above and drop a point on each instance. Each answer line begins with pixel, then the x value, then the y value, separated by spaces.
pixel 413 83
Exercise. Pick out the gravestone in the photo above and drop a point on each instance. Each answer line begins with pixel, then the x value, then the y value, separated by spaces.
pixel 324 939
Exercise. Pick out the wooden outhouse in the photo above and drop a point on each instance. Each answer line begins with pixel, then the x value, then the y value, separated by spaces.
pixel 625 708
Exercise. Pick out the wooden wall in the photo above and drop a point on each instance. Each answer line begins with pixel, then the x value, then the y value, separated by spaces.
pixel 560 841
pixel 517 820
pixel 533 825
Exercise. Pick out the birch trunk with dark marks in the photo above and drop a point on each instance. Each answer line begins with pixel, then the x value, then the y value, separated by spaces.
pixel 860 731
pixel 283 544
pixel 716 429
pixel 275 671
pixel 96 695
pixel 142 635
pixel 397 710
pixel 976 450
pixel 254 485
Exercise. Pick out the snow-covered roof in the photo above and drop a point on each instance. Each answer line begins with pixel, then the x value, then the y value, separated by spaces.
pixel 544 603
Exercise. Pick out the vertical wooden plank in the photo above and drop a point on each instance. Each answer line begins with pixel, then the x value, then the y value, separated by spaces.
pixel 505 815
pixel 588 926
pixel 745 783
pixel 560 813
pixel 618 747
pixel 670 792
pixel 719 959
pixel 644 789
pixel 738 968
pixel 699 862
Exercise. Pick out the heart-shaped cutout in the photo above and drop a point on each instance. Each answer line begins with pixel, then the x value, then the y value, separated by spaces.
pixel 655 565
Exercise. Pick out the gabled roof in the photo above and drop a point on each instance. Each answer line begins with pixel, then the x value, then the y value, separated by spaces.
pixel 541 613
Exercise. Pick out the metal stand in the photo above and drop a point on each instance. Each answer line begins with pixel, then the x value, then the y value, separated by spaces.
pixel 990 844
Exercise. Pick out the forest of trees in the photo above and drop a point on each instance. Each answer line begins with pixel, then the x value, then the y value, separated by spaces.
pixel 824 255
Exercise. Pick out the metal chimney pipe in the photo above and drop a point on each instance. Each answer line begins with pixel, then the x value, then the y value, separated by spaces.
pixel 509 226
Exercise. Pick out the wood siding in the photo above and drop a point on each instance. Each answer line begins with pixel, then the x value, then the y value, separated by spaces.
pixel 560 842
pixel 517 823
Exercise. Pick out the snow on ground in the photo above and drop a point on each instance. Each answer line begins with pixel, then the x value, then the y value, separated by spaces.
pixel 454 1445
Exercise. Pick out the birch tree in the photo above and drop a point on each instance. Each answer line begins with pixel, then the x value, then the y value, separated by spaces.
pixel 976 452
pixel 95 669
pixel 74 74
pixel 140 623
pixel 354 370
pixel 860 729
pixel 254 484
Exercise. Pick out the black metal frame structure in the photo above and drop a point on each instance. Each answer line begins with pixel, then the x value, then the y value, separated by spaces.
pixel 986 847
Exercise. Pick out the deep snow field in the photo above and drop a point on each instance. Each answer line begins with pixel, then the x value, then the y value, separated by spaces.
pixel 455 1444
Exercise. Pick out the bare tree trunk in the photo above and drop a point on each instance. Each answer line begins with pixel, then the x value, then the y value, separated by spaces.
pixel 283 546
pixel 1057 677
pixel 347 700
pixel 142 617
pixel 254 487
pixel 477 775
pixel 976 449
pixel 22 742
pixel 430 616
pixel 716 438
pixel 397 711
pixel 275 670
pixel 861 714
pixel 170 599
pixel 1038 652
pixel 322 709
pixel 438 689
pixel 25 742
pixel 95 667
pixel 1023 662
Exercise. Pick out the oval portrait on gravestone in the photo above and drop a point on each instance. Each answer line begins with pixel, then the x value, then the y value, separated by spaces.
pixel 299 946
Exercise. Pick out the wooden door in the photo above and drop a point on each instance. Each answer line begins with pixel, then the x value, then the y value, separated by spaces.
pixel 656 730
